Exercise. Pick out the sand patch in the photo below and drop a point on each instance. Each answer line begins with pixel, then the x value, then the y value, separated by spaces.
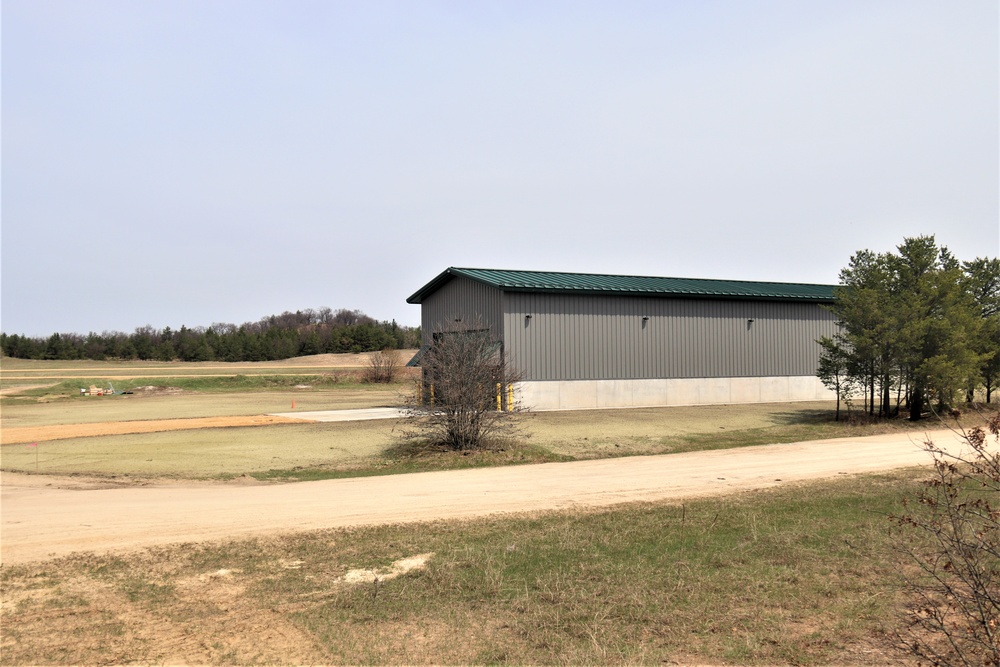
pixel 401 566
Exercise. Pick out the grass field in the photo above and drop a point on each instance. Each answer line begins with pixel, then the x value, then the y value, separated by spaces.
pixel 23 410
pixel 21 372
pixel 795 576
pixel 325 450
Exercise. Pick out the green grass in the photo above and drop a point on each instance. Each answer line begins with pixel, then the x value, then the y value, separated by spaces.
pixel 325 451
pixel 406 458
pixel 817 430
pixel 799 575
pixel 311 451
pixel 208 453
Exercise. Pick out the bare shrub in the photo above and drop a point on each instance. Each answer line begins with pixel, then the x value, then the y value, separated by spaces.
pixel 383 366
pixel 954 539
pixel 465 400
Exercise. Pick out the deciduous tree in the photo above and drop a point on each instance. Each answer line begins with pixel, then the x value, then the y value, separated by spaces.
pixel 465 401
pixel 383 366
pixel 952 534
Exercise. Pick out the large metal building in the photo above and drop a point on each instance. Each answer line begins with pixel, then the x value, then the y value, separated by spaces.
pixel 602 341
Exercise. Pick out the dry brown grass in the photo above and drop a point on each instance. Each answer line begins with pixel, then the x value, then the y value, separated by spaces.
pixel 792 576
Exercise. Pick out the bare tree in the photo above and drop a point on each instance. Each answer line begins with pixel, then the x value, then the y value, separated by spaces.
pixel 383 366
pixel 466 399
pixel 954 539
pixel 344 317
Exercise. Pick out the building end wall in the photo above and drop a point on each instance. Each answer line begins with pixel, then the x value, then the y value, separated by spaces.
pixel 594 394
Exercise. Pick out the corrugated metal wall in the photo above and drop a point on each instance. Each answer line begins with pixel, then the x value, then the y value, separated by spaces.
pixel 462 299
pixel 605 337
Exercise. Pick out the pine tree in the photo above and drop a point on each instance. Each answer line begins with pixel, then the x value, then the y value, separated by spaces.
pixel 909 321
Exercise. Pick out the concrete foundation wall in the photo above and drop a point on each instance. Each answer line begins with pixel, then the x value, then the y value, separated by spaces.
pixel 591 394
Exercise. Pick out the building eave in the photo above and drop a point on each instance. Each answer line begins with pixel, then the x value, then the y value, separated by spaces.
pixel 542 282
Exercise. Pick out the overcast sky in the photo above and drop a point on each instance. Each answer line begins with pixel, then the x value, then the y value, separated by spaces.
pixel 172 162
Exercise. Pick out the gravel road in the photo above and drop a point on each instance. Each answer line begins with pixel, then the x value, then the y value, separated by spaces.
pixel 45 517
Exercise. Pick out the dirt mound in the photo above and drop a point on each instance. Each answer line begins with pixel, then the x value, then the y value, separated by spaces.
pixel 156 390
pixel 341 360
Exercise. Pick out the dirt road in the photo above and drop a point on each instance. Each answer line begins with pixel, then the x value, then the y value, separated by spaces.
pixel 42 519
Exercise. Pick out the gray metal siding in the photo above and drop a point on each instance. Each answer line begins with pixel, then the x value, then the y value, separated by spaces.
pixel 604 338
pixel 474 304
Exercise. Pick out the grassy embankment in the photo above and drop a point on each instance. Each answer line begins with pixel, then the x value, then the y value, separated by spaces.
pixel 799 575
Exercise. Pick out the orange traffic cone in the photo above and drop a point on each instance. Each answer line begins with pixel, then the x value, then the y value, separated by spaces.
pixel 293 405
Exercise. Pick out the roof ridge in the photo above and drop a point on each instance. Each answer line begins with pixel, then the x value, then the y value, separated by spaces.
pixel 632 275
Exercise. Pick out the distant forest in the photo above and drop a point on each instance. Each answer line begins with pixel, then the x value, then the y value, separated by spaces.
pixel 276 337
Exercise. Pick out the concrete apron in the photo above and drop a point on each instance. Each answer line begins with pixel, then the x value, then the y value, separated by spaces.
pixel 362 414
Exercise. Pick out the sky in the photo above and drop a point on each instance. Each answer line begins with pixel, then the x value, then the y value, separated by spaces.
pixel 186 162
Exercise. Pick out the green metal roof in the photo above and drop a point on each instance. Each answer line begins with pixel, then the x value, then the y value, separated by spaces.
pixel 592 283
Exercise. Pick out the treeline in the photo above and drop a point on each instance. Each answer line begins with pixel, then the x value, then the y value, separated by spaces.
pixel 918 329
pixel 282 336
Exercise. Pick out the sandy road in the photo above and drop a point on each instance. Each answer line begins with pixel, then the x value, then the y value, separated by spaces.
pixel 41 521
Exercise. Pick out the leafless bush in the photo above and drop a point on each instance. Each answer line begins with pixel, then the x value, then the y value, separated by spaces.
pixel 954 539
pixel 383 366
pixel 466 399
